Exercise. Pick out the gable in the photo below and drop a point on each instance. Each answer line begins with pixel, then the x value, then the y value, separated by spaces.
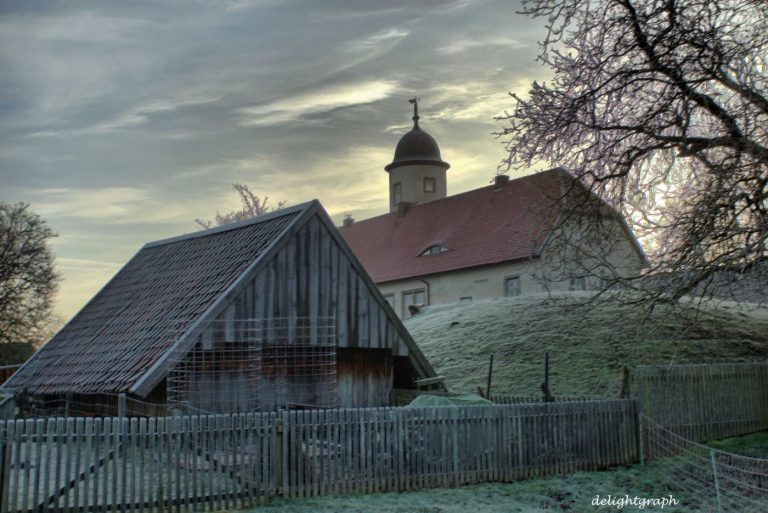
pixel 310 273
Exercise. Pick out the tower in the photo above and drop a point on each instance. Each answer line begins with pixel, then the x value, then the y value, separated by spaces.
pixel 417 172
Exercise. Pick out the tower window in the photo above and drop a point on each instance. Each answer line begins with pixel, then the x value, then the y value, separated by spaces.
pixel 512 286
pixel 397 193
pixel 429 184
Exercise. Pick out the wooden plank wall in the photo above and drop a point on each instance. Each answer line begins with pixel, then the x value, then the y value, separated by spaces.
pixel 224 462
pixel 364 378
pixel 311 277
pixel 705 402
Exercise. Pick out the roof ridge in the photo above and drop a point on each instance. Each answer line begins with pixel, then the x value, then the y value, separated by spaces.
pixel 231 226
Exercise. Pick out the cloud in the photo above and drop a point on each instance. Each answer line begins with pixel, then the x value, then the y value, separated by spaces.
pixel 365 49
pixel 120 127
pixel 108 205
pixel 464 44
pixel 138 115
pixel 327 99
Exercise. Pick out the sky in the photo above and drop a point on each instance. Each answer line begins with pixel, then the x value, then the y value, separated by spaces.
pixel 123 122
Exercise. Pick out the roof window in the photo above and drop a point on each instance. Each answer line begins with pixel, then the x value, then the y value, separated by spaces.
pixel 434 250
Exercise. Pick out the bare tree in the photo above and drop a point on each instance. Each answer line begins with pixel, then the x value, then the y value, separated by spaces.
pixel 251 206
pixel 27 277
pixel 659 108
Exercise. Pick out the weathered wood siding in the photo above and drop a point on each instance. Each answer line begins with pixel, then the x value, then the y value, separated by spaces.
pixel 364 378
pixel 311 277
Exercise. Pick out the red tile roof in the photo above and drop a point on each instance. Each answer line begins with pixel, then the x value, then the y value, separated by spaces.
pixel 490 225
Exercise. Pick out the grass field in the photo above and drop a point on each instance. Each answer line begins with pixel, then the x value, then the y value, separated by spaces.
pixel 588 347
pixel 572 493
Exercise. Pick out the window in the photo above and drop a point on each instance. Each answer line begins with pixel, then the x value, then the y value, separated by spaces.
pixel 512 286
pixel 434 250
pixel 578 283
pixel 429 184
pixel 413 298
pixel 465 299
pixel 390 299
pixel 397 193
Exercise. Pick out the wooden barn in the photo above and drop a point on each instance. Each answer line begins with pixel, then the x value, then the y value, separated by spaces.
pixel 274 312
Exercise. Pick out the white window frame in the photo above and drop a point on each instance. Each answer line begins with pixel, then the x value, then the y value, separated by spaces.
pixel 406 293
pixel 578 283
pixel 397 193
pixel 507 280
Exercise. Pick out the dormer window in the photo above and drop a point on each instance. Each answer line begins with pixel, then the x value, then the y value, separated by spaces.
pixel 434 250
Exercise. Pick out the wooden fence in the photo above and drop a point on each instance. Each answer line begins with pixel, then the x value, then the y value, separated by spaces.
pixel 705 402
pixel 520 399
pixel 229 461
pixel 160 464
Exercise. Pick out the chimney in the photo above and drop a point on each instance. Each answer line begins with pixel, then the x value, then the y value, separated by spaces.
pixel 500 180
pixel 347 222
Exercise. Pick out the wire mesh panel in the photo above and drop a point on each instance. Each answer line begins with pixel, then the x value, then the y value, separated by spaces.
pixel 217 377
pixel 256 364
pixel 705 478
pixel 299 364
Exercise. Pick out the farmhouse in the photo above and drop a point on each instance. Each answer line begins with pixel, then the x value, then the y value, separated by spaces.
pixel 510 238
pixel 274 312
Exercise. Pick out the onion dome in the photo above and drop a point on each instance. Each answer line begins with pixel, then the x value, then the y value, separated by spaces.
pixel 417 147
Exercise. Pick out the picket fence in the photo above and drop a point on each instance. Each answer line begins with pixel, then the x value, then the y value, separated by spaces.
pixel 705 402
pixel 234 461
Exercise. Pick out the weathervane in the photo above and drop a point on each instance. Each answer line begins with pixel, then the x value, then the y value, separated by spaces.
pixel 415 102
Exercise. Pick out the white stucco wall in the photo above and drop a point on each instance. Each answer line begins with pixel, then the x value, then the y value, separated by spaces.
pixel 478 283
pixel 411 179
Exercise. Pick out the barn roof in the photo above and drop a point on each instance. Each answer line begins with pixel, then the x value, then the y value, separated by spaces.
pixel 489 225
pixel 125 332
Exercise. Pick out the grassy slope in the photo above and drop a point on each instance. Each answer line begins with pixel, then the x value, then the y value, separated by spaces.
pixel 588 348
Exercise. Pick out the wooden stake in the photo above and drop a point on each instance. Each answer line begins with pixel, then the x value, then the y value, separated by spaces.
pixel 490 374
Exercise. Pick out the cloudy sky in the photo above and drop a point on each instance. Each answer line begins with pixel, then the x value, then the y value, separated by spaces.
pixel 122 122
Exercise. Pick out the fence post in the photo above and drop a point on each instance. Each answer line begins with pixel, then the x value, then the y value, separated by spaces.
pixel 640 434
pixel 277 446
pixel 717 481
pixel 67 400
pixel 121 405
pixel 639 410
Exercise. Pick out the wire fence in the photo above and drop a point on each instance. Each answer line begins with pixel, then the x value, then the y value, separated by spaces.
pixel 706 479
